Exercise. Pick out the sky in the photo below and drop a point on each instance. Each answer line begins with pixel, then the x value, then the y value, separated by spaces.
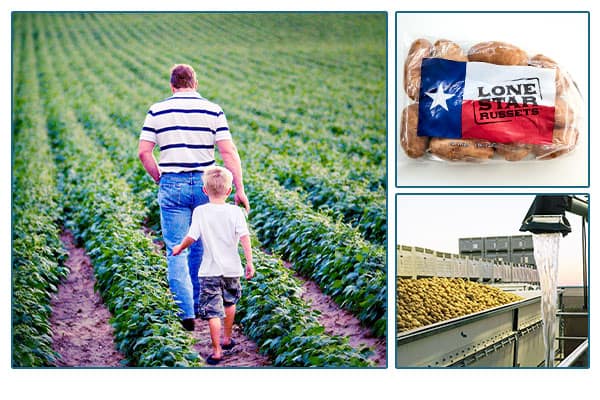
pixel 438 221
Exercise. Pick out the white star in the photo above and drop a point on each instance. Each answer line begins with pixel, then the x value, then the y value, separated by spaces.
pixel 439 98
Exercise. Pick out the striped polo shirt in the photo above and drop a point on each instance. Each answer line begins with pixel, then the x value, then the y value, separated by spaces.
pixel 185 127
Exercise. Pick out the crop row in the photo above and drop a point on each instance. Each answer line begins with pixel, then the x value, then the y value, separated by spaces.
pixel 326 350
pixel 362 163
pixel 253 120
pixel 275 316
pixel 37 250
pixel 226 76
pixel 365 297
pixel 346 267
pixel 100 210
pixel 349 269
pixel 348 204
pixel 362 209
pixel 334 194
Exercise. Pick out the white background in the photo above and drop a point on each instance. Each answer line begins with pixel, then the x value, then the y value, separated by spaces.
pixel 292 383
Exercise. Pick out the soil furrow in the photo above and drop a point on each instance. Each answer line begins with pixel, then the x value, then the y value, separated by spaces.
pixel 244 354
pixel 82 334
pixel 338 321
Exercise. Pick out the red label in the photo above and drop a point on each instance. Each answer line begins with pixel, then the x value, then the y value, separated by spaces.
pixel 502 122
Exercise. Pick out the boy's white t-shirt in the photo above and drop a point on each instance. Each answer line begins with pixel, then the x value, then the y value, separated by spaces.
pixel 220 227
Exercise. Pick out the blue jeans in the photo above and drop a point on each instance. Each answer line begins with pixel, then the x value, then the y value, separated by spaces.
pixel 178 195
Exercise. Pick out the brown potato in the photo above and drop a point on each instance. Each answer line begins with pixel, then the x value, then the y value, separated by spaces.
pixel 563 114
pixel 541 61
pixel 498 53
pixel 564 140
pixel 449 50
pixel 513 152
pixel 443 299
pixel 414 146
pixel 566 116
pixel 419 49
pixel 461 149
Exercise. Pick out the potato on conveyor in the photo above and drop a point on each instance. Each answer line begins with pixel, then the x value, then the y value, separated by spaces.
pixel 422 302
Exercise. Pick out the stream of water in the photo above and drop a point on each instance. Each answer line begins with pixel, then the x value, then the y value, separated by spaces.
pixel 546 257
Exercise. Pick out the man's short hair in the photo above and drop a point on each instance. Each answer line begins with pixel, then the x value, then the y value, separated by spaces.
pixel 217 180
pixel 183 76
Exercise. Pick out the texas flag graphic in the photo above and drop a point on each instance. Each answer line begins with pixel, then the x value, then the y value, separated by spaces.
pixel 475 100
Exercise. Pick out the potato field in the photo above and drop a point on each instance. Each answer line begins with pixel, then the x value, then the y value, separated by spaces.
pixel 305 98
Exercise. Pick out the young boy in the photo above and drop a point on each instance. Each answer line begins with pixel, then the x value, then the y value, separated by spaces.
pixel 221 227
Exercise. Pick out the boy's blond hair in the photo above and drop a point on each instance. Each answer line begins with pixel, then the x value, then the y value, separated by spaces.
pixel 217 181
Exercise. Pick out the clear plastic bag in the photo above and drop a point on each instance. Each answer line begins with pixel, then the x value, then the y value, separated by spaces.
pixel 535 115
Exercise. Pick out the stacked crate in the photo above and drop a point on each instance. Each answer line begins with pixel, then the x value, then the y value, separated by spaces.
pixel 471 247
pixel 502 249
pixel 522 250
pixel 497 248
pixel 415 262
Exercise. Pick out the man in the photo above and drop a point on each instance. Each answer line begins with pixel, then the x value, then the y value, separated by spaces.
pixel 186 128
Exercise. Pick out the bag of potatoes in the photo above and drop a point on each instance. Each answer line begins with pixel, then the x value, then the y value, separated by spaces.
pixel 491 100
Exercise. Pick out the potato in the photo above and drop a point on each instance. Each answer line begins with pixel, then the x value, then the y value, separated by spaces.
pixel 449 50
pixel 567 112
pixel 419 49
pixel 461 149
pixel 498 53
pixel 541 61
pixel 564 140
pixel 563 114
pixel 443 299
pixel 513 152
pixel 414 146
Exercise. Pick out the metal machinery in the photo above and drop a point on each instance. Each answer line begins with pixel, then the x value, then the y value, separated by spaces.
pixel 505 336
pixel 547 215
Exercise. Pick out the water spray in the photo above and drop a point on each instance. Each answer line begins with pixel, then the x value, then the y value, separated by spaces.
pixel 547 221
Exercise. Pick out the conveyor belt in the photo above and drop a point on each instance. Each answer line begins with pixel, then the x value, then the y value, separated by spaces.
pixel 502 336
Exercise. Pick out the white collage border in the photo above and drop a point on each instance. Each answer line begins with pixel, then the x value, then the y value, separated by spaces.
pixel 294 383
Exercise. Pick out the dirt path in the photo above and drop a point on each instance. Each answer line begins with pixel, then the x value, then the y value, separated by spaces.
pixel 335 320
pixel 244 354
pixel 82 334
pixel 340 322
pixel 84 338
